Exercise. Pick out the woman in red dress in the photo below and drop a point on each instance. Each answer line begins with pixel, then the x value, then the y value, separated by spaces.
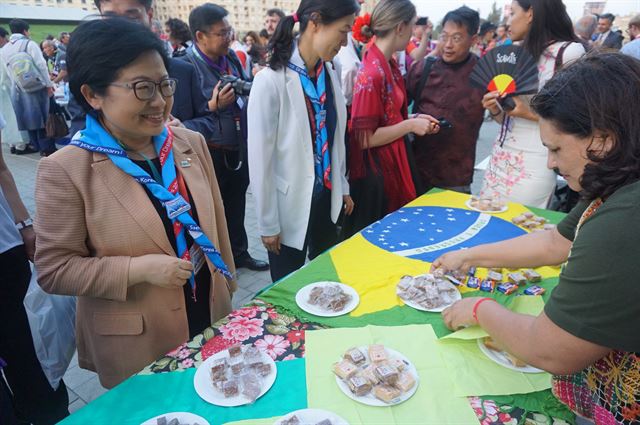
pixel 381 174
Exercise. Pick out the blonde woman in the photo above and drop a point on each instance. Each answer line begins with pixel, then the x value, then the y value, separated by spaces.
pixel 380 175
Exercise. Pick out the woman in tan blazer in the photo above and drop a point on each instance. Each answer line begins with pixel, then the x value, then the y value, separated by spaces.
pixel 107 238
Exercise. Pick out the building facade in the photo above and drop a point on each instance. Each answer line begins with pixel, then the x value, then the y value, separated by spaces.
pixel 244 15
pixel 75 4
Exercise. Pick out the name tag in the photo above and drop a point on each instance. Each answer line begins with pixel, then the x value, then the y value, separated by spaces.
pixel 197 258
pixel 176 206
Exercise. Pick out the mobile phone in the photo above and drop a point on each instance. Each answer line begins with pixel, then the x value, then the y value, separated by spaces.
pixel 444 123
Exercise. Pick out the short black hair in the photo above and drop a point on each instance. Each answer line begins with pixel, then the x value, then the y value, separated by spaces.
pixel 486 27
pixel 178 29
pixel 144 3
pixel 18 26
pixel 464 16
pixel 3 32
pixel 205 15
pixel 99 49
pixel 608 16
pixel 276 11
pixel 584 100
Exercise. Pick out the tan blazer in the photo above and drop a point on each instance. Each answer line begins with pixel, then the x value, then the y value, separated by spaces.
pixel 91 219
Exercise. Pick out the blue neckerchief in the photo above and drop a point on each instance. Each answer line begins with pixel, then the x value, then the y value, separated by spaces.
pixel 317 94
pixel 95 138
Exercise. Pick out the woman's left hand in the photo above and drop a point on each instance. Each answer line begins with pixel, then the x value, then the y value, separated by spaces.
pixel 460 313
pixel 522 110
pixel 348 204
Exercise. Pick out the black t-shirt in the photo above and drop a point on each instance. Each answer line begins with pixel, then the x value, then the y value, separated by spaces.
pixel 198 312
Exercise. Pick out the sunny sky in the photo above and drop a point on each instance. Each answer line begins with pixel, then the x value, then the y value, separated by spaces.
pixel 436 9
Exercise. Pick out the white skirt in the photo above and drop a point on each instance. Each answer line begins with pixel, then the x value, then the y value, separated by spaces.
pixel 517 170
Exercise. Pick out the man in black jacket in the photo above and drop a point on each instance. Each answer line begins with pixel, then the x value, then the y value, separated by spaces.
pixel 190 107
pixel 213 59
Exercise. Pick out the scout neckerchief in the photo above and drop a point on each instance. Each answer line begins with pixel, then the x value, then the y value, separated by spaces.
pixel 317 94
pixel 95 138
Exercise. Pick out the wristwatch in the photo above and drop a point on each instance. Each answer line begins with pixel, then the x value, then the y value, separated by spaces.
pixel 24 224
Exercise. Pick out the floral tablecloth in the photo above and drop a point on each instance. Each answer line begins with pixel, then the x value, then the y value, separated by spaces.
pixel 282 337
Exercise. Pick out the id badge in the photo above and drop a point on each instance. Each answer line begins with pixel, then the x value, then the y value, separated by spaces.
pixel 197 258
pixel 176 206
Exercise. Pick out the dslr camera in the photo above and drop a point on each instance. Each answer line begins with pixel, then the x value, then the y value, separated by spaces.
pixel 239 86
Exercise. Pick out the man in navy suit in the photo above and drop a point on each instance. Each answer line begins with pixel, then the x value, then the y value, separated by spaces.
pixel 608 39
pixel 189 103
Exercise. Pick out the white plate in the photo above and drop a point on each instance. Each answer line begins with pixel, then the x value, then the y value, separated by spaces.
pixel 205 389
pixel 501 210
pixel 500 358
pixel 183 417
pixel 303 296
pixel 371 399
pixel 313 416
pixel 440 309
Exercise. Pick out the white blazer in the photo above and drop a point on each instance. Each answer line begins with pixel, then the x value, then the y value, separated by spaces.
pixel 281 158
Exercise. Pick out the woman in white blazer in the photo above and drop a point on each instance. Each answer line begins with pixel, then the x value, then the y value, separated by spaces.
pixel 297 122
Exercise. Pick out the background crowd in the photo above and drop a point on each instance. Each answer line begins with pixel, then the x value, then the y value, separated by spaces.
pixel 332 119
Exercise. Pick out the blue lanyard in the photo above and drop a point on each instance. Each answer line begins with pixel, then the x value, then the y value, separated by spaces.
pixel 317 94
pixel 94 138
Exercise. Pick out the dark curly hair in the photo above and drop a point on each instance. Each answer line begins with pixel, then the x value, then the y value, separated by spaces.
pixel 178 30
pixel 599 93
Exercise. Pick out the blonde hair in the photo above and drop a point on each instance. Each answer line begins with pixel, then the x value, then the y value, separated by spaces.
pixel 387 15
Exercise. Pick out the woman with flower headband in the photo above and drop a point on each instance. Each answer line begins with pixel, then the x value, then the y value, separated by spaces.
pixel 380 173
pixel 587 336
pixel 297 123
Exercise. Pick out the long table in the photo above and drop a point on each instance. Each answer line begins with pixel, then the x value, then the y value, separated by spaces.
pixel 372 262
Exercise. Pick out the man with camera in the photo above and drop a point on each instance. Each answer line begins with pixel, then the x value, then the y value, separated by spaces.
pixel 222 78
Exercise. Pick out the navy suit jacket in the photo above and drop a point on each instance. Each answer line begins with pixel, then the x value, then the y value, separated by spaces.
pixel 189 103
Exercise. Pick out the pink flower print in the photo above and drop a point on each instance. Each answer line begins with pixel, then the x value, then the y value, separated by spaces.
pixel 289 357
pixel 215 345
pixel 184 353
pixel 175 352
pixel 186 363
pixel 248 312
pixel 273 345
pixel 240 329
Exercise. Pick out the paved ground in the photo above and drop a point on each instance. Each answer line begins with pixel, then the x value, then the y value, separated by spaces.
pixel 83 385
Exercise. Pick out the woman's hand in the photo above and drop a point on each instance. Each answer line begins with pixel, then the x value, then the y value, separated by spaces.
pixel 348 204
pixel 272 243
pixel 221 97
pixel 490 101
pixel 424 124
pixel 159 269
pixel 460 313
pixel 453 261
pixel 522 110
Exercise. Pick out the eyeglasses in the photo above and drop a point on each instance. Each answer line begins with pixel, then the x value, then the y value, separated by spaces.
pixel 146 89
pixel 456 38
pixel 223 34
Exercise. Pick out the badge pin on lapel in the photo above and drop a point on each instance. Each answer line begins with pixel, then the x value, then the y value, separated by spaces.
pixel 185 163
